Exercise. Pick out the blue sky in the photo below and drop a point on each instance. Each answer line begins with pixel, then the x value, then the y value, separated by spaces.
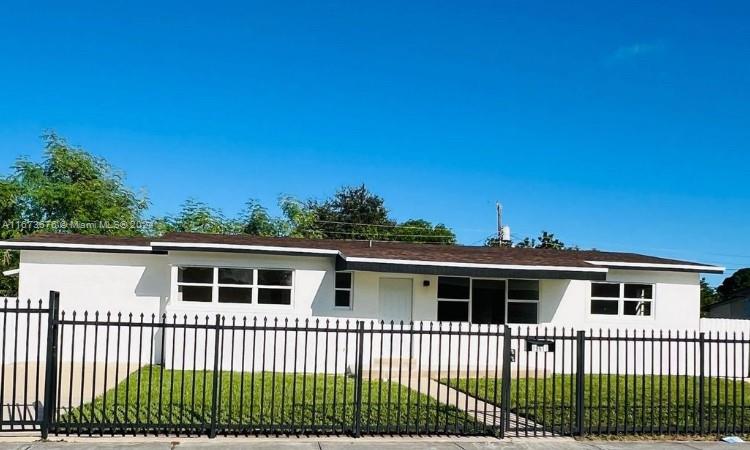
pixel 619 126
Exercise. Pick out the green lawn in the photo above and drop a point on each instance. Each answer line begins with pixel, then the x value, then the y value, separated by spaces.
pixel 658 404
pixel 259 401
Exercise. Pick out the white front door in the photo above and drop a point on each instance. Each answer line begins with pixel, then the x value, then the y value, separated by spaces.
pixel 395 299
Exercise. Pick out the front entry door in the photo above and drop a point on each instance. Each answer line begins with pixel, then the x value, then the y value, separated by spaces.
pixel 395 299
pixel 487 301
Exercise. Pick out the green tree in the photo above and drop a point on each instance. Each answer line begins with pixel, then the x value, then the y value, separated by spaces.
pixel 355 212
pixel 69 191
pixel 420 230
pixel 258 222
pixel 708 293
pixel 352 213
pixel 73 191
pixel 732 285
pixel 545 240
pixel 196 217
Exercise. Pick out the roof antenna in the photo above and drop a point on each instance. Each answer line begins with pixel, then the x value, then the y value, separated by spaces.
pixel 503 231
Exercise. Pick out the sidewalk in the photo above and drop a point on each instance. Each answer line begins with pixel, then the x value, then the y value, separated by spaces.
pixel 7 443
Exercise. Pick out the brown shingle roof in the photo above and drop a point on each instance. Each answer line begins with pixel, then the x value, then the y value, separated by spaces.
pixel 375 249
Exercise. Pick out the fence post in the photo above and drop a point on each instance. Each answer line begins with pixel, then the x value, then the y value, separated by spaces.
pixel 580 368
pixel 701 380
pixel 357 431
pixel 215 387
pixel 505 380
pixel 50 363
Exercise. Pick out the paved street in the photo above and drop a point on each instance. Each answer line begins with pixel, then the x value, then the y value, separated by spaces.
pixel 364 443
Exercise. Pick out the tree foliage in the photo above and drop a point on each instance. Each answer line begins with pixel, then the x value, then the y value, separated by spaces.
pixel 73 191
pixel 730 287
pixel 708 293
pixel 194 217
pixel 69 191
pixel 544 240
pixel 353 212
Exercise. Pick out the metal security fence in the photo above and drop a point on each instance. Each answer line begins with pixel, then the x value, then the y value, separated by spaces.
pixel 91 373
pixel 22 325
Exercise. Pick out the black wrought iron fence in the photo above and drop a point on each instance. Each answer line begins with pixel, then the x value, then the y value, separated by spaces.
pixel 91 373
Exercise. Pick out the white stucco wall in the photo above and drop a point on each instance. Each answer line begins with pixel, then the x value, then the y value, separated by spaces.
pixel 96 281
pixel 676 302
pixel 312 294
pixel 138 283
pixel 141 283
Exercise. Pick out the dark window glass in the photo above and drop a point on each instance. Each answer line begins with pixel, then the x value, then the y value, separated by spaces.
pixel 275 277
pixel 523 290
pixel 632 308
pixel 453 287
pixel 343 298
pixel 195 293
pixel 275 296
pixel 521 312
pixel 604 307
pixel 235 276
pixel 639 291
pixel 343 280
pixel 195 275
pixel 488 301
pixel 235 295
pixel 453 311
pixel 605 290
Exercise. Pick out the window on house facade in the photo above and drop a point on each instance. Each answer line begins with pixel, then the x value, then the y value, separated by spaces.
pixel 627 299
pixel 523 301
pixel 234 285
pixel 453 295
pixel 343 295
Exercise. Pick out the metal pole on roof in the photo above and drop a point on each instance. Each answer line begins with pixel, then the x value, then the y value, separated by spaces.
pixel 499 221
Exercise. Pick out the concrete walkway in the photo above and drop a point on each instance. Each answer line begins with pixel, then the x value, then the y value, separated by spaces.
pixel 356 444
pixel 482 411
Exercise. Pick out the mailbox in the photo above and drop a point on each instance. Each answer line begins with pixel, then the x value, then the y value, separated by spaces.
pixel 539 345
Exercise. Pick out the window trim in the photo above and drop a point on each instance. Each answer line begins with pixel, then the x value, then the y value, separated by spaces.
pixel 215 286
pixel 507 299
pixel 350 289
pixel 454 300
pixel 620 299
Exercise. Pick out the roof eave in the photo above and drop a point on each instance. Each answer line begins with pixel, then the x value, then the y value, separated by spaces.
pixel 471 269
pixel 664 267
pixel 94 248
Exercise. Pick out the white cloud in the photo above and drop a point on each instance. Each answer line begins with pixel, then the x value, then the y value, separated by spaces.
pixel 630 52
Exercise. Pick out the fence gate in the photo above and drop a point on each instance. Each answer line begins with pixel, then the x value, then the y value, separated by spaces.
pixel 545 388
pixel 23 327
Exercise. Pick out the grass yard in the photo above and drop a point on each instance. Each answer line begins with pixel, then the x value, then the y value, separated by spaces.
pixel 153 397
pixel 654 404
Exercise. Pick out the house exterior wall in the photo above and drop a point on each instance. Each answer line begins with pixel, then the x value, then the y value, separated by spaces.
pixel 144 283
pixel 676 302
pixel 133 283
pixel 313 284
pixel 116 282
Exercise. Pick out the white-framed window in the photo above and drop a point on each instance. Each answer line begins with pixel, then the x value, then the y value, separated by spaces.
pixel 456 300
pixel 343 294
pixel 622 299
pixel 453 298
pixel 235 285
pixel 523 301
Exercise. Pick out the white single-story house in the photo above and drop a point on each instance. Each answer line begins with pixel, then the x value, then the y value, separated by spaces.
pixel 240 275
